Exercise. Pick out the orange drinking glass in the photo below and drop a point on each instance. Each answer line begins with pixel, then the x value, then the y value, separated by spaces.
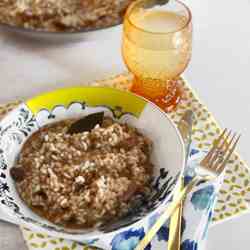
pixel 156 47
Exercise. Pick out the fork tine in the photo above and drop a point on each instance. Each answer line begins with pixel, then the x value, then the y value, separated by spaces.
pixel 217 141
pixel 223 165
pixel 220 148
pixel 225 140
pixel 215 144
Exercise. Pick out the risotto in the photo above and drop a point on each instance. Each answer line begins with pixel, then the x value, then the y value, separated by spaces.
pixel 79 180
pixel 62 15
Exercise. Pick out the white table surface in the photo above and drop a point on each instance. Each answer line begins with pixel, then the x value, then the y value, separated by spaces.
pixel 219 72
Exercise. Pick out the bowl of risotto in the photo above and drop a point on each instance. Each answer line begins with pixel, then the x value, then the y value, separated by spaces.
pixel 61 20
pixel 88 163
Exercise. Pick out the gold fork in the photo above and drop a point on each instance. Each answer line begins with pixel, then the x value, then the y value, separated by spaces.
pixel 215 161
pixel 212 166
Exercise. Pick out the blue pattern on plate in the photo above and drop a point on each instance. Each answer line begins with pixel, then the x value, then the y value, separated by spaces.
pixel 128 240
pixel 202 198
pixel 162 234
pixel 187 179
pixel 189 245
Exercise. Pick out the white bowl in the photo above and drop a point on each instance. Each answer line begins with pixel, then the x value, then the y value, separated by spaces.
pixel 168 152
